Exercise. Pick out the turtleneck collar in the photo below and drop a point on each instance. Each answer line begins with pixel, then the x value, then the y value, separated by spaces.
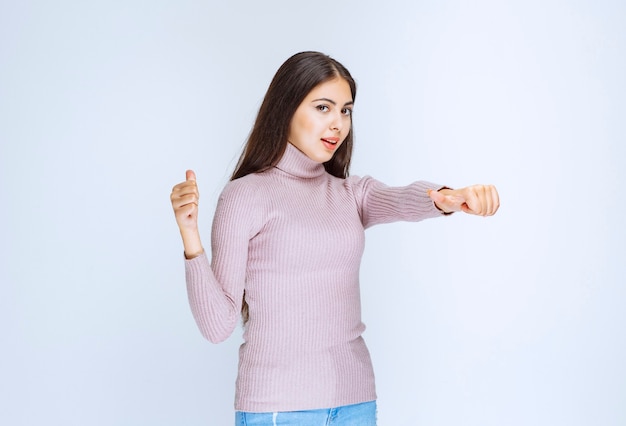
pixel 296 163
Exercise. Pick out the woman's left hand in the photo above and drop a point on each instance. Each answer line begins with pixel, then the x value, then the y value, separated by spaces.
pixel 481 200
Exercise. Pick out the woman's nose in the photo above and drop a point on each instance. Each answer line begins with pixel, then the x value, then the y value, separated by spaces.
pixel 336 124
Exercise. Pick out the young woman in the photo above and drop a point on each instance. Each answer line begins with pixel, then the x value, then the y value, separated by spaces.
pixel 287 241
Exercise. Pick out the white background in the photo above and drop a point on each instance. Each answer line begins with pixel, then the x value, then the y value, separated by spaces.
pixel 512 320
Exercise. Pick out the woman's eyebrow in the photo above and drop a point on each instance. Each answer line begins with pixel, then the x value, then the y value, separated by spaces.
pixel 332 102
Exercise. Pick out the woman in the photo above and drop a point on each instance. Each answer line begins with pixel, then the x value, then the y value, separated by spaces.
pixel 287 241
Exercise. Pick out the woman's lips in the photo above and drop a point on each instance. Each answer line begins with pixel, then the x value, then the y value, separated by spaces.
pixel 330 143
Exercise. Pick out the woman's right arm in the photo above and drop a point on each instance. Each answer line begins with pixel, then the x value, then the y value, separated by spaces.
pixel 215 289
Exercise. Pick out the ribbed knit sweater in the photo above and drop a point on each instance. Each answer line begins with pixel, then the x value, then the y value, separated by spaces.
pixel 292 237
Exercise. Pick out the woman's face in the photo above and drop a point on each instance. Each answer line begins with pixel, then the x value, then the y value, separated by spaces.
pixel 322 121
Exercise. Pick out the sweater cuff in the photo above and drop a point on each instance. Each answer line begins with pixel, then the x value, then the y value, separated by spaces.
pixel 198 265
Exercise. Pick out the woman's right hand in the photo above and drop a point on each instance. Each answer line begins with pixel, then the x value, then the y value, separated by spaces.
pixel 184 199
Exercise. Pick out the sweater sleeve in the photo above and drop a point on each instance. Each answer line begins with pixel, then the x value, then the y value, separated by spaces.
pixel 379 203
pixel 215 290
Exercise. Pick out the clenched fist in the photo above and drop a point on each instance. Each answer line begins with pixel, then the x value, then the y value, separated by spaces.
pixel 481 200
pixel 184 198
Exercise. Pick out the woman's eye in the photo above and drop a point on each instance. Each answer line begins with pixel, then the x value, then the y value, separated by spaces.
pixel 347 111
pixel 323 108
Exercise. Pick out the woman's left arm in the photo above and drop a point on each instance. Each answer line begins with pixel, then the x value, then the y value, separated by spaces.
pixel 481 200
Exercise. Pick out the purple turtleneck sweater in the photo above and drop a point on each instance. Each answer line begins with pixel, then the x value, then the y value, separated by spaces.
pixel 292 237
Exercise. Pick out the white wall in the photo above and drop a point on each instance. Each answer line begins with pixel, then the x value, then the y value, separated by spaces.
pixel 512 320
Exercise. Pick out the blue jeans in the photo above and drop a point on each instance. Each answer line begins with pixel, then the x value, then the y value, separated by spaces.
pixel 348 415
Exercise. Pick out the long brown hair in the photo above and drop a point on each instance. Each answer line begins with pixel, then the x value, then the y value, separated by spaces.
pixel 267 142
pixel 293 81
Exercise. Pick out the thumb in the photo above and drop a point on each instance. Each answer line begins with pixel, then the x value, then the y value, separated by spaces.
pixel 190 175
pixel 446 202
pixel 436 196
